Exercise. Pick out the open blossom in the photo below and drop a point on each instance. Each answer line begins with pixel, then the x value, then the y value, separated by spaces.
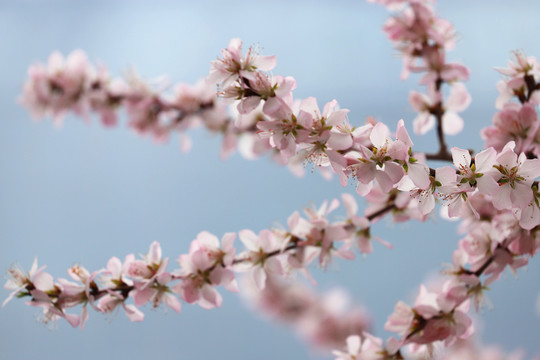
pixel 151 278
pixel 529 217
pixel 458 100
pixel 353 349
pixel 256 257
pixel 233 65
pixel 18 280
pixel 288 126
pixel 387 161
pixel 416 31
pixel 424 196
pixel 378 164
pixel 54 307
pixel 361 231
pixel 509 183
pixel 438 69
pixel 316 148
pixel 324 234
pixel 368 347
pixel 145 271
pixel 435 316
pixel 480 243
pixel 73 294
pixel 455 193
pixel 205 267
pixel 515 122
pixel 274 90
pixel 456 188
pixel 57 88
pixel 325 321
pixel 523 65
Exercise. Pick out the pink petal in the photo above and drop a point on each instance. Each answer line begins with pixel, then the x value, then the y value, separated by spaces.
pixel 485 159
pixel 259 277
pixel 452 123
pixel 418 173
pixel 211 297
pixel 350 204
pixel 530 169
pixel 114 267
pixel 155 253
pixel 141 297
pixel 133 313
pixel 402 134
pixel 418 101
pixel 84 316
pixel 43 281
pixel 208 240
pixel 530 217
pixel 379 135
pixel 72 319
pixel 172 302
pixel 265 63
pixel 337 117
pixel 249 239
pixel 458 99
pixel 521 196
pixel 461 158
pixel 339 140
pixel 248 104
pixel 423 123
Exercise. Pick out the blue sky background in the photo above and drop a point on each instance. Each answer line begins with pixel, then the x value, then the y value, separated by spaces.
pixel 83 193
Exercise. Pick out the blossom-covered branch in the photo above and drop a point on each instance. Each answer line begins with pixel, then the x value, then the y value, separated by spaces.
pixel 73 84
pixel 269 254
pixel 422 39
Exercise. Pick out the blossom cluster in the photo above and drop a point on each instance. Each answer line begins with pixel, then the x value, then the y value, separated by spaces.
pixel 74 84
pixel 517 120
pixel 370 348
pixel 267 256
pixel 373 157
pixel 422 39
pixel 325 321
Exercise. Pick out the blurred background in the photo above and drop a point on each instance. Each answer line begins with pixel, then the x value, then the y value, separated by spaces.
pixel 83 193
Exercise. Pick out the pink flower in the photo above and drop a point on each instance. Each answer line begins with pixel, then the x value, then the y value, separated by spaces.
pixel 18 281
pixel 458 100
pixel 401 319
pixel 529 217
pixel 523 65
pixel 233 65
pixel 514 122
pixel 46 295
pixel 158 293
pixel 353 349
pixel 204 268
pixel 105 95
pixel 58 87
pixel 109 302
pixel 510 184
pixel 323 234
pixel 274 90
pixel 145 271
pixel 151 279
pixel 441 315
pixel 257 256
pixel 361 225
pixel 377 164
pixel 286 130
